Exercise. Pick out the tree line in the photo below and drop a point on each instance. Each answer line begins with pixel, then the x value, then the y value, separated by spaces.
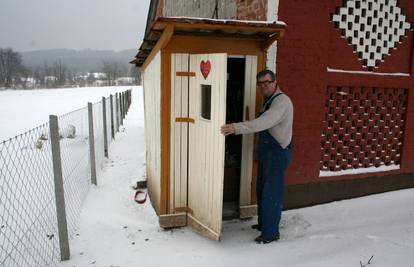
pixel 14 74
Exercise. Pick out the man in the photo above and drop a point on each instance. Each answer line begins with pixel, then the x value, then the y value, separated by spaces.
pixel 275 127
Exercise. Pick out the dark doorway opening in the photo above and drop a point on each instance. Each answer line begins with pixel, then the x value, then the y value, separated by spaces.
pixel 234 113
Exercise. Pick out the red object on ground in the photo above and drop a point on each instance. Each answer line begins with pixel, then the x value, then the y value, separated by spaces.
pixel 138 199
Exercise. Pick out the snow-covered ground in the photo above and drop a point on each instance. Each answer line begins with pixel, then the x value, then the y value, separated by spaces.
pixel 21 110
pixel 115 231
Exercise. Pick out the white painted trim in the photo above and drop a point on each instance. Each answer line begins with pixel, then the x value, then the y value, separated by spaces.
pixel 248 140
pixel 236 56
pixel 272 14
pixel 359 171
pixel 369 72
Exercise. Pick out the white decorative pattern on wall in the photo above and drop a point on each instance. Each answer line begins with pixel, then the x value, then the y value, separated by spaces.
pixel 373 28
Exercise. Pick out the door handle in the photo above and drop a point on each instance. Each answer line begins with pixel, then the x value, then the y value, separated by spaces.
pixel 180 119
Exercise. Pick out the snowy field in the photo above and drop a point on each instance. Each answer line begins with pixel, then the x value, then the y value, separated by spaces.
pixel 25 163
pixel 115 231
pixel 21 110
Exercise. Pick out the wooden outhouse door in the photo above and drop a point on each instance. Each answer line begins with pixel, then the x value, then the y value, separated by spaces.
pixel 207 107
pixel 199 109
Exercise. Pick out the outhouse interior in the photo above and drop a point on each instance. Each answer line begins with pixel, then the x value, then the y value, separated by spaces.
pixel 199 74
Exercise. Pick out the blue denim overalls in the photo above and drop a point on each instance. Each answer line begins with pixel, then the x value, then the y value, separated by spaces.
pixel 273 162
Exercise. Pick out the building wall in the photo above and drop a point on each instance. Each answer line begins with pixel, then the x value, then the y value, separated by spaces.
pixel 251 9
pixel 226 9
pixel 322 64
pixel 152 105
pixel 201 8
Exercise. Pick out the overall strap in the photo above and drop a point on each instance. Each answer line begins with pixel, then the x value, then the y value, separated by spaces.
pixel 268 103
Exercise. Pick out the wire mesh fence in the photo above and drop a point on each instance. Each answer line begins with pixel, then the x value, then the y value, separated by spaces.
pixel 98 135
pixel 29 231
pixel 74 144
pixel 27 207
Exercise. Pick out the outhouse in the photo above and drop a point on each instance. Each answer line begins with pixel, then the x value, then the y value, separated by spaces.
pixel 199 74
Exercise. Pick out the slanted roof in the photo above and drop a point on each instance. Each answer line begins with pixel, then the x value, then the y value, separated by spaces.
pixel 260 30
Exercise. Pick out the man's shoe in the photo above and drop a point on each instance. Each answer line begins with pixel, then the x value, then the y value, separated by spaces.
pixel 261 240
pixel 256 227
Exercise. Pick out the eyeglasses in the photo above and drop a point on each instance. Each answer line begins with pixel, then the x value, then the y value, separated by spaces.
pixel 267 82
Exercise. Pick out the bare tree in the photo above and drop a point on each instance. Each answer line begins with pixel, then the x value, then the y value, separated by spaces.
pixel 135 73
pixel 112 71
pixel 10 67
pixel 59 71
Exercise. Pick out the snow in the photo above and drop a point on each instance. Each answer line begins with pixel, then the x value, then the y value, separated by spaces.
pixel 372 169
pixel 115 231
pixel 272 22
pixel 368 72
pixel 21 110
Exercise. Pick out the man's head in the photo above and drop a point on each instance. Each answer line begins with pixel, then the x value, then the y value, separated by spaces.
pixel 266 80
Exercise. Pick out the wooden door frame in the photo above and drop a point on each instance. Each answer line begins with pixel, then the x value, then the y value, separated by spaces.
pixel 197 45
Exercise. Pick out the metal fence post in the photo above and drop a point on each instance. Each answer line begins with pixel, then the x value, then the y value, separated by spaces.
pixel 59 191
pixel 130 98
pixel 111 99
pixel 91 144
pixel 121 109
pixel 116 112
pixel 124 103
pixel 105 125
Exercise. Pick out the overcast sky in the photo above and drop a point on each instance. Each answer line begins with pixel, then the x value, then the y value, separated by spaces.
pixel 75 24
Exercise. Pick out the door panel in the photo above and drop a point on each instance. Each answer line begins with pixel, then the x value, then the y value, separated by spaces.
pixel 207 106
pixel 248 139
pixel 179 133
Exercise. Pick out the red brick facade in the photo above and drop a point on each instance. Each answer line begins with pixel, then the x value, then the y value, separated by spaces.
pixel 352 108
pixel 251 9
pixel 311 45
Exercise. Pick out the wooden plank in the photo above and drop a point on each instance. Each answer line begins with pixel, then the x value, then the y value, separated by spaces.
pixel 261 65
pixel 173 220
pixel 211 44
pixel 184 132
pixel 206 147
pixel 184 209
pixel 220 27
pixel 248 140
pixel 152 105
pixel 190 120
pixel 247 212
pixel 174 137
pixel 185 73
pixel 267 43
pixel 162 43
pixel 179 111
pixel 165 130
pixel 201 228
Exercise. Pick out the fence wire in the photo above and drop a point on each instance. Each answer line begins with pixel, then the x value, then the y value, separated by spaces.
pixel 108 120
pixel 28 226
pixel 98 135
pixel 28 219
pixel 74 146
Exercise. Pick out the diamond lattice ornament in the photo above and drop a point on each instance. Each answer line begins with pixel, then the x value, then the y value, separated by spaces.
pixel 373 28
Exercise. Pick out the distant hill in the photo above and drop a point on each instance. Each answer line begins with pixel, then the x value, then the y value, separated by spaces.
pixel 79 60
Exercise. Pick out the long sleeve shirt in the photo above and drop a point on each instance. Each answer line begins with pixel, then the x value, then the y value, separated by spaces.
pixel 278 119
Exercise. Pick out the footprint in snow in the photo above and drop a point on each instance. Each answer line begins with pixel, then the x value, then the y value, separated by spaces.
pixel 293 226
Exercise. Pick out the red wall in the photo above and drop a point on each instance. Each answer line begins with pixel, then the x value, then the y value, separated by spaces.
pixel 251 9
pixel 311 45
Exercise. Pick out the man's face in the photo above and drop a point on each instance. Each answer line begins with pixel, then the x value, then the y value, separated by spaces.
pixel 267 85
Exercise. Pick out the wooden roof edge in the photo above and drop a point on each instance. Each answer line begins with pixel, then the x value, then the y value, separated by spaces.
pixel 233 22
pixel 275 30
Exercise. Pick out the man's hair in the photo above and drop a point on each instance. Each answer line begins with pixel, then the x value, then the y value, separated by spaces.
pixel 266 72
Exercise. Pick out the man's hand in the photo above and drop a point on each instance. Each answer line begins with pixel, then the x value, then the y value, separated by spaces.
pixel 227 129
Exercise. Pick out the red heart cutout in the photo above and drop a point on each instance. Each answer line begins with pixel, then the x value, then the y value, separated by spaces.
pixel 205 67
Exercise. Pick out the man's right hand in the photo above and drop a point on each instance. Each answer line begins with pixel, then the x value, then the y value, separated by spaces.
pixel 227 129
